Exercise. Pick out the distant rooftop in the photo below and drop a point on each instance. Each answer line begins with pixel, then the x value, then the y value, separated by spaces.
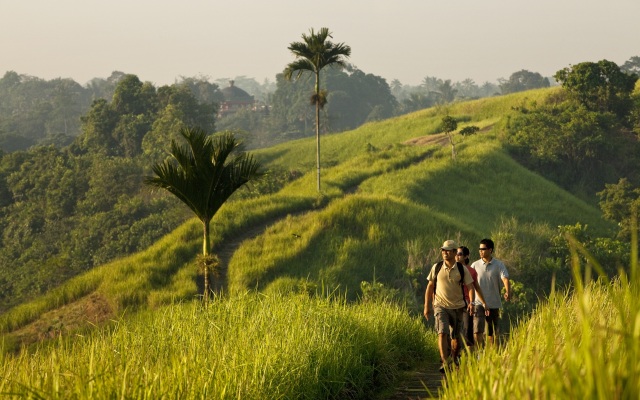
pixel 234 94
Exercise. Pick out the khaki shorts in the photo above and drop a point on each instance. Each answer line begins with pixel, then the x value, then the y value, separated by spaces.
pixel 448 321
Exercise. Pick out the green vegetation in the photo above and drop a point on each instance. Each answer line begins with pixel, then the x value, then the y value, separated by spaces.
pixel 449 125
pixel 321 292
pixel 583 137
pixel 579 344
pixel 250 346
pixel 203 175
pixel 523 80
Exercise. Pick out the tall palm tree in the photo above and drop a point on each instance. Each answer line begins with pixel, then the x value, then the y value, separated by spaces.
pixel 312 54
pixel 203 175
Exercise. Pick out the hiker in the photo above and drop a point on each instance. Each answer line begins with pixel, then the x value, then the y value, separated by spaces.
pixel 462 256
pixel 491 272
pixel 446 280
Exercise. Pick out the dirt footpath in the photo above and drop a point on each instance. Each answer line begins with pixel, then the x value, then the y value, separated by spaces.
pixel 421 383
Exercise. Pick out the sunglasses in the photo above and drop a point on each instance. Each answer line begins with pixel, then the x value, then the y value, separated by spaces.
pixel 483 248
pixel 459 254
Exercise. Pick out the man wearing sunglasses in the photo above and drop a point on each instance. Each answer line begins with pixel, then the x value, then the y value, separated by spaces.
pixel 491 272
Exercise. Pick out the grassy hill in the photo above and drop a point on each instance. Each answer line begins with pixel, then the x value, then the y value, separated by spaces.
pixel 385 186
pixel 390 195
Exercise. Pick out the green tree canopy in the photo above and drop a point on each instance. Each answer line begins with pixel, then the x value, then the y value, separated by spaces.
pixel 600 86
pixel 631 66
pixel 523 80
pixel 620 203
pixel 33 110
pixel 448 125
pixel 575 147
pixel 447 92
pixel 121 127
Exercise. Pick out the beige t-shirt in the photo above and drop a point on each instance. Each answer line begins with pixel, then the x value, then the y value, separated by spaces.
pixel 448 291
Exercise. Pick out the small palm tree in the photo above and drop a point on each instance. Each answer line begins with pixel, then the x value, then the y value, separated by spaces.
pixel 313 54
pixel 203 175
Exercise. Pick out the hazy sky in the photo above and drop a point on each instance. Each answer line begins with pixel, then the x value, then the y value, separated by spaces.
pixel 162 40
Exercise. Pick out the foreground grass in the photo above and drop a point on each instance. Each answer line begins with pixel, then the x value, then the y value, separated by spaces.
pixel 249 346
pixel 578 345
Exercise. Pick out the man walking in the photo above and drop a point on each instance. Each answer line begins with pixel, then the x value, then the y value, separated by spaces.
pixel 491 272
pixel 446 280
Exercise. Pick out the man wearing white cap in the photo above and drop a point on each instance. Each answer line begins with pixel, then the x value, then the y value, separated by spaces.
pixel 446 280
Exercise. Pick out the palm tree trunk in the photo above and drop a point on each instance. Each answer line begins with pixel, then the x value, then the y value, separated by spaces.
pixel 318 128
pixel 205 253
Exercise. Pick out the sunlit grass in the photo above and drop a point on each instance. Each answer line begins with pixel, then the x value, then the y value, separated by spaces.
pixel 358 238
pixel 377 196
pixel 488 182
pixel 250 346
pixel 577 345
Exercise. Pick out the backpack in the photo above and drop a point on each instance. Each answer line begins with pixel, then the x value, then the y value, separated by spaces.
pixel 461 269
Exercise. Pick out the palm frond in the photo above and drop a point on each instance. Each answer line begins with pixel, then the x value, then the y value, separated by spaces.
pixel 204 173
pixel 298 67
pixel 174 180
pixel 315 52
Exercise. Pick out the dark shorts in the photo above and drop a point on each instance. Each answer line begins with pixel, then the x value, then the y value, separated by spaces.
pixel 448 321
pixel 479 320
pixel 467 328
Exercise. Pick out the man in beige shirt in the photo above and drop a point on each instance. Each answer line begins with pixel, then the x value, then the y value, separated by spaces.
pixel 445 290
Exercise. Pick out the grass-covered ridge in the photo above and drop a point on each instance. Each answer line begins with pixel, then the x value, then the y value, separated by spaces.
pixel 381 194
pixel 386 199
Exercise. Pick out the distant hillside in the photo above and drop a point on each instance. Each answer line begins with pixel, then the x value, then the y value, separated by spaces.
pixel 390 191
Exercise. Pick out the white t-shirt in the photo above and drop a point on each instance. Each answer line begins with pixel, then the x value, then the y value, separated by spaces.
pixel 490 277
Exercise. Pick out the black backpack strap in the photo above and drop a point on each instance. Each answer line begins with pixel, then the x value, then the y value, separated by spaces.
pixel 435 276
pixel 437 271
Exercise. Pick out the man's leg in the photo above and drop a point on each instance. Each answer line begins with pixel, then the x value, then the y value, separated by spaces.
pixel 455 350
pixel 493 322
pixel 467 329
pixel 443 345
pixel 442 328
pixel 456 333
pixel 479 320
pixel 469 335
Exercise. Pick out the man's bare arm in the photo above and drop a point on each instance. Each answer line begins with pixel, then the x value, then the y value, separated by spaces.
pixel 428 298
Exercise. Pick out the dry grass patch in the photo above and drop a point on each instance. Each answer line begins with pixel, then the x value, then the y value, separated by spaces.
pixel 86 312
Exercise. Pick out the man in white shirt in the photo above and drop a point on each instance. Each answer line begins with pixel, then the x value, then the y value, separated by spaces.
pixel 491 272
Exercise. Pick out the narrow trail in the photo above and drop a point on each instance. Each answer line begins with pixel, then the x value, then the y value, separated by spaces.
pixel 229 246
pixel 421 383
